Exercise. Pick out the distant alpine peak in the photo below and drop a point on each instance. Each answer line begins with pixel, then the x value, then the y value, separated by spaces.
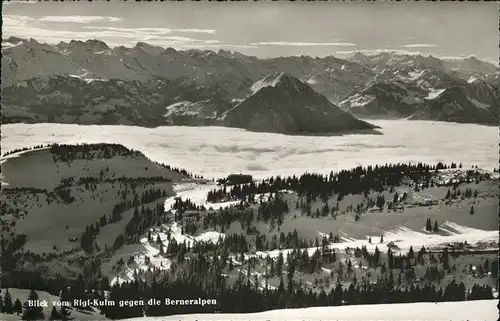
pixel 15 40
pixel 91 43
pixel 144 45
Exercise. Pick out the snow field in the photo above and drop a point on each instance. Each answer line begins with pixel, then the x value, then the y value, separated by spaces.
pixel 443 311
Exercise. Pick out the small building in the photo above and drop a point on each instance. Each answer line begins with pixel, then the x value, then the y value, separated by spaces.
pixel 237 179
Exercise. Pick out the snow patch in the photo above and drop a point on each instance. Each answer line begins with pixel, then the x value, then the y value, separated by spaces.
pixel 472 79
pixel 416 74
pixel 478 104
pixel 269 81
pixel 404 238
pixel 89 80
pixel 182 107
pixel 312 81
pixel 358 100
pixel 197 194
pixel 85 73
pixel 434 93
pixel 152 249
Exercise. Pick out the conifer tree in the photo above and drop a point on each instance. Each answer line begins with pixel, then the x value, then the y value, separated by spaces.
pixel 7 303
pixel 54 314
pixel 436 227
pixel 428 225
pixel 18 307
pixel 396 198
pixel 65 313
pixel 65 295
pixel 32 313
pixel 280 263
pixel 410 253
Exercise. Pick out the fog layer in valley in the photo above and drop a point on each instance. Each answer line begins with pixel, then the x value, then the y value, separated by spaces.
pixel 218 151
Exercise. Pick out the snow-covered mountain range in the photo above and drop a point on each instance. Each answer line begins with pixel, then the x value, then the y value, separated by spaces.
pixel 90 82
pixel 429 93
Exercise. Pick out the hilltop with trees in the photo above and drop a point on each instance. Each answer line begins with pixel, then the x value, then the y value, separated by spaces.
pixel 282 243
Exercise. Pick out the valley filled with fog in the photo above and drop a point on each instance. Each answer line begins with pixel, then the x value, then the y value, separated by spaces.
pixel 217 151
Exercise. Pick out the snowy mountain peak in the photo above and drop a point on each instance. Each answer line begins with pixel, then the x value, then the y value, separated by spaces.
pixel 97 44
pixel 269 81
pixel 14 40
pixel 150 49
pixel 32 41
pixel 170 50
pixel 278 80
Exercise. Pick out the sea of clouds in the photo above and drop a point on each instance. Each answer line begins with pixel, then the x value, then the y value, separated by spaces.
pixel 217 151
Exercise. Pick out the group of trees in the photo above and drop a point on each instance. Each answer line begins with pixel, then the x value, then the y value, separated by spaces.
pixel 359 180
pixel 273 211
pixel 180 171
pixel 202 276
pixel 8 306
pixel 24 149
pixel 456 193
pixel 241 297
pixel 31 312
pixel 140 221
pixel 431 228
pixel 182 206
pixel 67 153
pixel 143 219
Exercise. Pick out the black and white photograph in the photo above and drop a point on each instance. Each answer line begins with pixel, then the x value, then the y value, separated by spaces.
pixel 249 161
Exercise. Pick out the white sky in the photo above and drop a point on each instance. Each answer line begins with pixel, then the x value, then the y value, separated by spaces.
pixel 267 29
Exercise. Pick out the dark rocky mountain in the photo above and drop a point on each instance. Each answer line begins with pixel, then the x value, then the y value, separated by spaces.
pixel 283 104
pixel 477 102
pixel 66 99
pixel 386 100
pixel 91 83
pixel 415 93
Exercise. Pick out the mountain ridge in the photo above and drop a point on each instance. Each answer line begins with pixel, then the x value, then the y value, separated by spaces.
pixel 217 81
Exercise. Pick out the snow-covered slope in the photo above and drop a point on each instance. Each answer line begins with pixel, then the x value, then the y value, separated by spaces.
pixel 401 59
pixel 426 94
pixel 400 239
pixel 444 311
pixel 196 192
pixel 383 99
pixel 475 102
